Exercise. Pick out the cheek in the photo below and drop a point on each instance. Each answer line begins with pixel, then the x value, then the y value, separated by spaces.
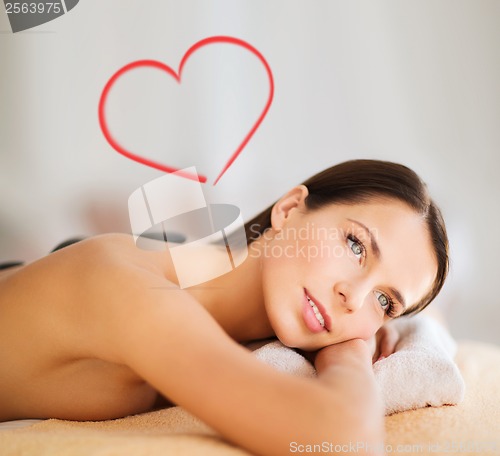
pixel 364 328
pixel 278 275
pixel 275 267
pixel 325 255
pixel 285 259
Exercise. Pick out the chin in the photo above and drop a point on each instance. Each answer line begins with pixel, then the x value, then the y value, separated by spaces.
pixel 288 333
pixel 289 341
pixel 294 336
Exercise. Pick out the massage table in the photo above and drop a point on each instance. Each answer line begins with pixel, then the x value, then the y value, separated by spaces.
pixel 471 427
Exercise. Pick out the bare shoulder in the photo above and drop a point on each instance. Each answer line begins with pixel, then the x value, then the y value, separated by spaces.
pixel 115 248
pixel 67 295
pixel 123 290
pixel 101 281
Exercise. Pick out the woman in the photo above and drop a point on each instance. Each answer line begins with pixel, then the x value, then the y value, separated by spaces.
pixel 100 330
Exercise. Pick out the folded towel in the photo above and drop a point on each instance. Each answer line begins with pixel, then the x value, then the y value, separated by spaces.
pixel 421 371
pixel 285 359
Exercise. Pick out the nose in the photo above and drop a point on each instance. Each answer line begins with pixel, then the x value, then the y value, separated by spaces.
pixel 349 297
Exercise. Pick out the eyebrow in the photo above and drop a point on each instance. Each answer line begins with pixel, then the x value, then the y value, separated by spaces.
pixel 373 242
pixel 399 297
pixel 376 251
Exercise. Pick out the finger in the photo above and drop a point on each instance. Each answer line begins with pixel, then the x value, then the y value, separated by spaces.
pixel 379 336
pixel 372 344
pixel 376 354
pixel 388 342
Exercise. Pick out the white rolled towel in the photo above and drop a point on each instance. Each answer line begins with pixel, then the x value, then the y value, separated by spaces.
pixel 421 372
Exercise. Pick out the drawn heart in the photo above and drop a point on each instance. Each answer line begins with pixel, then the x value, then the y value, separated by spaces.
pixel 177 76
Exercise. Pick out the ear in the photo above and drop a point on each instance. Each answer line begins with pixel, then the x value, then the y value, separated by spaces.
pixel 294 199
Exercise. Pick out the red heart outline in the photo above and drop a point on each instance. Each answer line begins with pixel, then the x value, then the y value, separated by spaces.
pixel 177 76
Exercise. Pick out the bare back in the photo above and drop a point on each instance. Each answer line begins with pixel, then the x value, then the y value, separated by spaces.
pixel 45 317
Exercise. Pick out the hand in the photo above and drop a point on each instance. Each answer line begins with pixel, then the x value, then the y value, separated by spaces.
pixel 386 340
pixel 354 350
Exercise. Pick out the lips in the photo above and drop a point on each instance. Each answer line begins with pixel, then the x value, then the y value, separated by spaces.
pixel 308 312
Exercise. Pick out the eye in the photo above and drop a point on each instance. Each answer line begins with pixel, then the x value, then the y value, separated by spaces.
pixel 356 246
pixel 386 303
pixel 382 299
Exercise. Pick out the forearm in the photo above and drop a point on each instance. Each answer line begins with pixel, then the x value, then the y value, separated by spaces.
pixel 295 411
pixel 347 370
pixel 341 407
pixel 271 413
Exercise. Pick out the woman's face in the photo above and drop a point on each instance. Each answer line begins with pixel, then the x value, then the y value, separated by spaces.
pixel 342 271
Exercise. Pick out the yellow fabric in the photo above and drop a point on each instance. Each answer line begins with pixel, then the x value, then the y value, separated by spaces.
pixel 475 422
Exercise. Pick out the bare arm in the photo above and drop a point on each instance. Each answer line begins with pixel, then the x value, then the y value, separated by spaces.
pixel 347 368
pixel 172 342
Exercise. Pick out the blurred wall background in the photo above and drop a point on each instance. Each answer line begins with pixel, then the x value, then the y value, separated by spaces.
pixel 415 82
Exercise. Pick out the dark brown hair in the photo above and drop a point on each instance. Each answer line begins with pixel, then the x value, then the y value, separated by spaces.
pixel 360 181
